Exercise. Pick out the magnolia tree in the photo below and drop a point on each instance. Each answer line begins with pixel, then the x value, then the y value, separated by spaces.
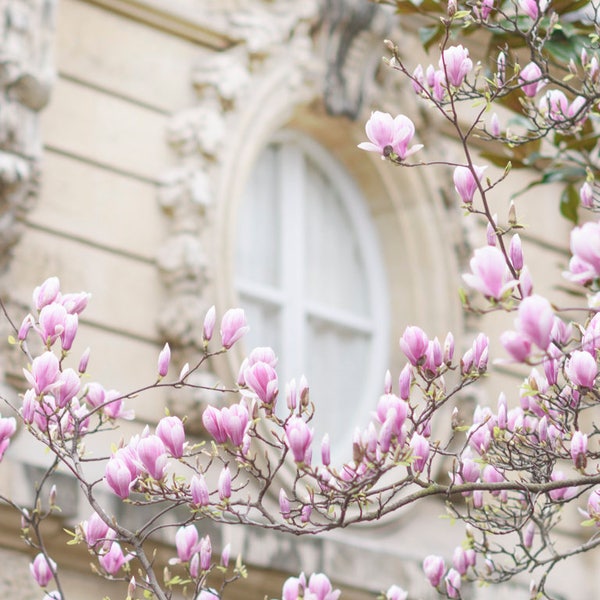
pixel 510 470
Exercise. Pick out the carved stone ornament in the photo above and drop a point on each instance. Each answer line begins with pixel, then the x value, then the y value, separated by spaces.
pixel 326 50
pixel 26 76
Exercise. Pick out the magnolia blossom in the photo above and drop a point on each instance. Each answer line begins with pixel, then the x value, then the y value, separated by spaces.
pixel 536 319
pixel 42 569
pixel 199 491
pixel 530 79
pixel 171 433
pixel 420 452
pixel 579 447
pixel 414 344
pixel 490 274
pixel 533 8
pixel 581 369
pixel 119 477
pixel 298 437
pixel 233 327
pixel 8 426
pixel 164 358
pixel 455 62
pixel 453 581
pixel 585 247
pixel 465 182
pixel 395 592
pixel 187 542
pixel 586 195
pixel 389 134
pixel 434 568
pixel 113 560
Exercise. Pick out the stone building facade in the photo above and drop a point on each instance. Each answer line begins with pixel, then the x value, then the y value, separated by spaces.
pixel 130 133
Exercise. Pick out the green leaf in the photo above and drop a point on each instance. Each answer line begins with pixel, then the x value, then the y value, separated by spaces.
pixel 569 202
pixel 431 35
pixel 408 7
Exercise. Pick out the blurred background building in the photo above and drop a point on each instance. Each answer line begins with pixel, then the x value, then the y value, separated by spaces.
pixel 167 155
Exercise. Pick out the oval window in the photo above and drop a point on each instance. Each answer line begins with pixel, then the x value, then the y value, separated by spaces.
pixel 309 273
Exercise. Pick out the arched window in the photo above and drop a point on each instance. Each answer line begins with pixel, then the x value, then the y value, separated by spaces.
pixel 309 273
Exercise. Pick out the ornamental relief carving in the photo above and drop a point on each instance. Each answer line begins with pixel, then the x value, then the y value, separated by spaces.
pixel 26 76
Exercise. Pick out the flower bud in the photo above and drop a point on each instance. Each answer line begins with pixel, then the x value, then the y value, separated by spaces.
pixel 164 358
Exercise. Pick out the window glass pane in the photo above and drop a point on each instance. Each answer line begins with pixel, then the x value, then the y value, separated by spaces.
pixel 335 273
pixel 336 360
pixel 258 232
pixel 265 323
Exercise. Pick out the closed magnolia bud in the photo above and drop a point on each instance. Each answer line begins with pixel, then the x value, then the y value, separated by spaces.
pixel 164 358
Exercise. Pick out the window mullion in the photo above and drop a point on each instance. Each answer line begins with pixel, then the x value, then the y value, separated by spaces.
pixel 291 189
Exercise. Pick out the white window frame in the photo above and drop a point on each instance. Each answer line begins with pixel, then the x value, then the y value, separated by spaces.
pixel 289 299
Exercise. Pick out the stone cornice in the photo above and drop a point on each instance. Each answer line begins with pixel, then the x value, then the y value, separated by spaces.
pixel 172 17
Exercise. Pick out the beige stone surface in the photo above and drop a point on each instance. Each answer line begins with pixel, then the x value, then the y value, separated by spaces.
pixel 126 292
pixel 82 200
pixel 101 128
pixel 140 62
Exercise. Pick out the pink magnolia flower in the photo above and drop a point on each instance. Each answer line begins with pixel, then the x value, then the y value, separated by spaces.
pixel 388 134
pixel 533 8
pixel 208 326
pixel 261 378
pixel 46 293
pixel 212 420
pixel 535 320
pixel 233 327
pixel 593 505
pixel 235 421
pixel 164 358
pixel 42 569
pixel 171 433
pixel 395 592
pixel 585 246
pixel 69 386
pixel 586 195
pixel 298 438
pixel 95 530
pixel 326 450
pixel 515 252
pixel 465 183
pixel 75 303
pixel 113 560
pixel 51 322
pixel 581 369
pixel 199 491
pixel 186 542
pixel 321 588
pixel 44 373
pixel 284 504
pixel 434 568
pixel 420 452
pixel 456 63
pixel 8 426
pixel 453 581
pixel 579 447
pixel 119 477
pixel 414 344
pixel 205 551
pixel 561 494
pixel 224 484
pixel 262 354
pixel 153 456
pixel 490 274
pixel 530 79
pixel 207 595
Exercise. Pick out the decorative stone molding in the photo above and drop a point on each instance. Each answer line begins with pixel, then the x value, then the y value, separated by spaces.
pixel 26 75
pixel 353 34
